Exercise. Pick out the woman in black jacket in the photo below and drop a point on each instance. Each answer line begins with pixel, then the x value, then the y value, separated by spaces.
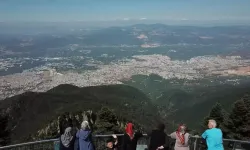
pixel 159 139
pixel 130 138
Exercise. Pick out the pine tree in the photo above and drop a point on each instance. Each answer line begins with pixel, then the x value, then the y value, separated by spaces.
pixel 107 121
pixel 217 113
pixel 246 128
pixel 237 125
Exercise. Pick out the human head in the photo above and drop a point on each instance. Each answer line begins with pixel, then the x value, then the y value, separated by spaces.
pixel 161 127
pixel 68 130
pixel 110 143
pixel 211 124
pixel 69 123
pixel 85 125
pixel 182 128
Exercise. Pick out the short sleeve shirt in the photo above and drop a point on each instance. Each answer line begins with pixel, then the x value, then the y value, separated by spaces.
pixel 213 138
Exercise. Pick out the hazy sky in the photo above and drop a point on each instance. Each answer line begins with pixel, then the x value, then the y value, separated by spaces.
pixel 127 10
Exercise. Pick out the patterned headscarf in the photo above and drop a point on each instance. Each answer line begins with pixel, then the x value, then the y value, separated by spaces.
pixel 181 133
pixel 67 137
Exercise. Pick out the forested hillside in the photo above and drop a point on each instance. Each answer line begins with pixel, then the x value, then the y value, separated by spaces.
pixel 29 112
pixel 235 122
pixel 182 101
pixel 31 116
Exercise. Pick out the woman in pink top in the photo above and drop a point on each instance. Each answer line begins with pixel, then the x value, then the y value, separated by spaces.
pixel 182 138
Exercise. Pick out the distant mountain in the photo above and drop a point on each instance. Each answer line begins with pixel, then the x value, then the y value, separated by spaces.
pixel 30 112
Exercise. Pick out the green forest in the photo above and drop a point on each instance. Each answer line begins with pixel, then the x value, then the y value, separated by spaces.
pixel 28 113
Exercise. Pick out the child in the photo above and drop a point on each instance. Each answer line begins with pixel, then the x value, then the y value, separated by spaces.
pixel 112 143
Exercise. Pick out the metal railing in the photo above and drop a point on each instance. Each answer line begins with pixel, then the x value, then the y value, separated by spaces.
pixel 100 144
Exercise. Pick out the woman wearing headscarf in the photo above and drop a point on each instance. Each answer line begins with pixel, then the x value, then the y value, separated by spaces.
pixel 67 139
pixel 84 137
pixel 158 138
pixel 130 138
pixel 181 137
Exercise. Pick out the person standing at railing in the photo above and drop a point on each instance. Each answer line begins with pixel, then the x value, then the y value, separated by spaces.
pixel 158 138
pixel 67 139
pixel 130 138
pixel 84 136
pixel 181 138
pixel 213 136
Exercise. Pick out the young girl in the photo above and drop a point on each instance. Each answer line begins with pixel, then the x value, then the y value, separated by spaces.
pixel 112 143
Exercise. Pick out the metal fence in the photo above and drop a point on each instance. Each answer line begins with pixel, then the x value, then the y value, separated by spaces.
pixel 100 143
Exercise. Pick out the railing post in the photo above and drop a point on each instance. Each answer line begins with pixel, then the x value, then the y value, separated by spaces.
pixel 234 146
pixel 195 143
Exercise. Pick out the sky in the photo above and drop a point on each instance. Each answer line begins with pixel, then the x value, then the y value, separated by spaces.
pixel 125 10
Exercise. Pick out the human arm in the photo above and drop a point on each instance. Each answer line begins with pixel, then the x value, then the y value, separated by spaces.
pixel 72 142
pixel 173 135
pixel 204 135
pixel 138 134
pixel 167 142
pixel 203 139
pixel 161 147
pixel 77 134
pixel 166 145
pixel 149 133
pixel 115 140
pixel 124 142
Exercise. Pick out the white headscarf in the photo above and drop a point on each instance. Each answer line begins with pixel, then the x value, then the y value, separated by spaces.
pixel 85 125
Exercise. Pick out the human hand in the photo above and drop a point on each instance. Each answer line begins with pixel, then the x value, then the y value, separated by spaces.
pixel 114 136
pixel 161 147
pixel 196 136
